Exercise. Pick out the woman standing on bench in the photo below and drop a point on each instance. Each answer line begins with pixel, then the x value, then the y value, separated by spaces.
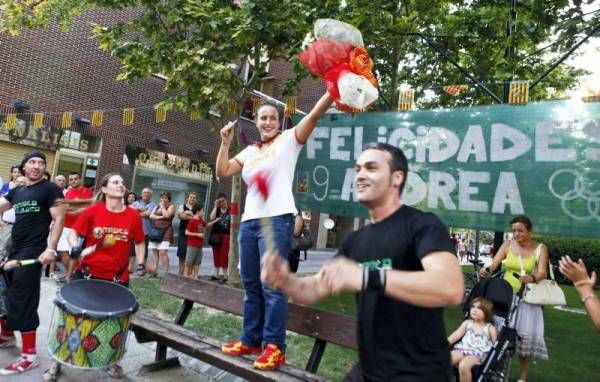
pixel 265 308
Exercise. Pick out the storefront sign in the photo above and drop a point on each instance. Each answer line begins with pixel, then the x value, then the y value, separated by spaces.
pixel 474 167
pixel 47 137
pixel 170 164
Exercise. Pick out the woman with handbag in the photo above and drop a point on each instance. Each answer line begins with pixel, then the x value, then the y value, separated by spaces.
pixel 219 237
pixel 161 233
pixel 526 263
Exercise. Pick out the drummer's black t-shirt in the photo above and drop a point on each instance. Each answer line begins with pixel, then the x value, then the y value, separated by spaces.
pixel 32 211
pixel 399 341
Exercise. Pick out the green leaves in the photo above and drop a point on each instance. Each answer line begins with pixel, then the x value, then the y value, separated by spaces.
pixel 201 46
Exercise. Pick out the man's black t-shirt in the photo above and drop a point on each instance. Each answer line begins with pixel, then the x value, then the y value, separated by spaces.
pixel 399 341
pixel 32 211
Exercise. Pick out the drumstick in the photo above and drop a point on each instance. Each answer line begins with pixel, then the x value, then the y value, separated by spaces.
pixel 11 264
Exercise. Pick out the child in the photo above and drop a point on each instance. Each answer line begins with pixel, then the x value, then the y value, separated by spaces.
pixel 195 239
pixel 476 335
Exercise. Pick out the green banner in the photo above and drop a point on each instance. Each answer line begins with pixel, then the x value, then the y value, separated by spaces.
pixel 474 167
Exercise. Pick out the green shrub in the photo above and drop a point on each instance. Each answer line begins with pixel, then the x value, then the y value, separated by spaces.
pixel 577 248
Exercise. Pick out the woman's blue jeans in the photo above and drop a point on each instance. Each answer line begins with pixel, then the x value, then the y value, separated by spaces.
pixel 265 308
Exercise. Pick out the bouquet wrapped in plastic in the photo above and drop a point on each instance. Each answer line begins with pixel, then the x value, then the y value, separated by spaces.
pixel 339 57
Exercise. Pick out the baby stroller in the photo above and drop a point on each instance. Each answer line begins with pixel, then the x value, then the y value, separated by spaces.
pixel 495 366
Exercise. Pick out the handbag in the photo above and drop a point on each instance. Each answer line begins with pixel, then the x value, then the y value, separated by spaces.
pixel 544 292
pixel 156 233
pixel 214 239
pixel 305 241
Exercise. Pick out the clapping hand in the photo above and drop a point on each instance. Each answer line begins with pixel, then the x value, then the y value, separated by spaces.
pixel 576 272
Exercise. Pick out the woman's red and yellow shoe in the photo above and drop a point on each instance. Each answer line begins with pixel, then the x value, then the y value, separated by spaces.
pixel 271 359
pixel 238 348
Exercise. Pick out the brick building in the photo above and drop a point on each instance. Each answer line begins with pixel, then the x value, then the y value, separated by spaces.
pixel 53 71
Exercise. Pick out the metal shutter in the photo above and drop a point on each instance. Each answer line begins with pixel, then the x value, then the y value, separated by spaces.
pixel 12 154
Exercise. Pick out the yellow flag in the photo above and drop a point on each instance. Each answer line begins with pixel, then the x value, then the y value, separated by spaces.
pixel 127 117
pixel 518 93
pixel 67 118
pixel 256 102
pixel 232 107
pixel 406 100
pixel 195 115
pixel 11 121
pixel 290 105
pixel 97 118
pixel 160 114
pixel 38 120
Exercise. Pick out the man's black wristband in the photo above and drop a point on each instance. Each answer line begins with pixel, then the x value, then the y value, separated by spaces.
pixel 376 280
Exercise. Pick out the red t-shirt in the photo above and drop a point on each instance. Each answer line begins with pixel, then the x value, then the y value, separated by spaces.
pixel 76 193
pixel 195 225
pixel 96 224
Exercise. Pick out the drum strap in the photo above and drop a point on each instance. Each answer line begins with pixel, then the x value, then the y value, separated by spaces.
pixel 116 278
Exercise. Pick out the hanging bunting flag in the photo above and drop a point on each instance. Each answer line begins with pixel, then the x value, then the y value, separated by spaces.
pixel 256 102
pixel 38 120
pixel 518 93
pixel 406 100
pixel 97 118
pixel 67 118
pixel 160 114
pixel 195 115
pixel 232 107
pixel 290 105
pixel 455 89
pixel 127 117
pixel 11 121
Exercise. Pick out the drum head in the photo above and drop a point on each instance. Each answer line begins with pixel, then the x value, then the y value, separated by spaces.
pixel 96 299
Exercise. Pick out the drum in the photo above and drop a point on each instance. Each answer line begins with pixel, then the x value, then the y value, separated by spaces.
pixel 90 323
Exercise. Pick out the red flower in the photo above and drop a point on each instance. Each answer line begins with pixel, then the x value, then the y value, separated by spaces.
pixel 117 340
pixel 90 343
pixel 61 334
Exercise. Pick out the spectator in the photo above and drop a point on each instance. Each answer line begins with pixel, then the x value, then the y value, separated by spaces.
pixel 220 230
pixel 145 206
pixel 185 214
pixel 162 218
pixel 15 172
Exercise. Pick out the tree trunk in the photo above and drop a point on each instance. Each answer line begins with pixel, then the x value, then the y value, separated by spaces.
pixel 234 255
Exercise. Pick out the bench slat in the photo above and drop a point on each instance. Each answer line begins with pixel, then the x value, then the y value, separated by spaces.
pixel 209 350
pixel 305 320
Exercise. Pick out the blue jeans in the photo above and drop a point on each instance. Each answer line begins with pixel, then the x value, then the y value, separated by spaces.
pixel 265 308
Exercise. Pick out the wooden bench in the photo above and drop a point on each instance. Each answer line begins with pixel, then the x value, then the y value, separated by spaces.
pixel 325 327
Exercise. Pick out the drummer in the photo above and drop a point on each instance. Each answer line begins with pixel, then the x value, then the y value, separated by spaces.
pixel 108 227
pixel 35 206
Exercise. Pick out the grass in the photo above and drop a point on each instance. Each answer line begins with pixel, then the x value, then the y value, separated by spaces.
pixel 572 340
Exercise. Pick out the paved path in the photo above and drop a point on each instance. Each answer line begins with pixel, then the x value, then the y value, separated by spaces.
pixel 137 354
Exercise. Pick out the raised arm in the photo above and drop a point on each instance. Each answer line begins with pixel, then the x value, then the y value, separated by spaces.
pixel 224 165
pixel 305 127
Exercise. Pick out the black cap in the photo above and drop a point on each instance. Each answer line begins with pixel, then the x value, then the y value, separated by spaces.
pixel 32 154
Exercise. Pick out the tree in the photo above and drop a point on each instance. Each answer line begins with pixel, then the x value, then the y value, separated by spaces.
pixel 202 46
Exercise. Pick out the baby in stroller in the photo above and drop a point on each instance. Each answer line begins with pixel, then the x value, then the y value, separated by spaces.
pixel 475 337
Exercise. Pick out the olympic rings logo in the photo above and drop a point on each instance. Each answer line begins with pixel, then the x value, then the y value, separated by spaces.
pixel 582 200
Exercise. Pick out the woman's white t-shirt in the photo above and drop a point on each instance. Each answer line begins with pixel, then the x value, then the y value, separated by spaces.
pixel 277 160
